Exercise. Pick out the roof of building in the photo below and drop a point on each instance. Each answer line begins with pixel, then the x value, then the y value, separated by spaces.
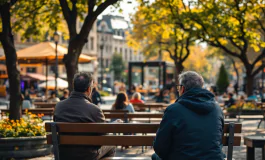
pixel 114 23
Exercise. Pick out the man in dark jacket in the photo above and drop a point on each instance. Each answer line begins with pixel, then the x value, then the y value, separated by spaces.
pixel 78 108
pixel 192 127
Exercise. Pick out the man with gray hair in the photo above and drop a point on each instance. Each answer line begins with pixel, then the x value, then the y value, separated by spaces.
pixel 78 108
pixel 192 127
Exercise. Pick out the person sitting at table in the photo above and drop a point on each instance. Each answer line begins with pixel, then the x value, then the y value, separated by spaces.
pixel 122 103
pixel 65 95
pixel 136 98
pixel 53 98
pixel 230 101
pixel 96 97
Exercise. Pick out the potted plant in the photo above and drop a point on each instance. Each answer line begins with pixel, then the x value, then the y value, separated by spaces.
pixel 24 138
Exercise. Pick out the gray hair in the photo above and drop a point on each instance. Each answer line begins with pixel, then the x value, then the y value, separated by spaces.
pixel 137 95
pixel 82 81
pixel 191 79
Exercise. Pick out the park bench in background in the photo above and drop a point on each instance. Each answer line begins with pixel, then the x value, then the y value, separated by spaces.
pixel 55 129
pixel 44 105
pixel 114 111
pixel 137 116
pixel 257 114
pixel 150 106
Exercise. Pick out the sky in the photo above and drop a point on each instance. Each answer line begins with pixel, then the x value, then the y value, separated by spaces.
pixel 127 9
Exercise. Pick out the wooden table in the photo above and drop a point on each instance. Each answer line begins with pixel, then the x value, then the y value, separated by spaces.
pixel 253 142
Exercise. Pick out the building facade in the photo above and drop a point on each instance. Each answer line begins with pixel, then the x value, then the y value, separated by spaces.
pixel 111 34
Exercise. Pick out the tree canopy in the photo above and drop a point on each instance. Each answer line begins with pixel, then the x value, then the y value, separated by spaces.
pixel 157 28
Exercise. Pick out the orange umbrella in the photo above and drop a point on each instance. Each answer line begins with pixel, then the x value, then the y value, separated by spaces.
pixel 45 52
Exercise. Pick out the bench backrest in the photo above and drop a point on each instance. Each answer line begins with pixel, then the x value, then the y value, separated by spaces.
pixel 44 105
pixel 116 140
pixel 114 111
pixel 127 116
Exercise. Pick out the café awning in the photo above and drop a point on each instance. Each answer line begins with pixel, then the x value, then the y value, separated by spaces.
pixel 45 53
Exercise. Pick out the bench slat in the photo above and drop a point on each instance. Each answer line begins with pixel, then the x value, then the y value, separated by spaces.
pixel 237 141
pixel 127 158
pixel 133 115
pixel 237 129
pixel 104 140
pixel 104 127
pixel 119 140
pixel 115 111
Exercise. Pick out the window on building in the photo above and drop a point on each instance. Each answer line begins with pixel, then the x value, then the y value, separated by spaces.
pixel 92 43
pixel 31 70
pixel 120 50
pixel 107 63
pixel 116 49
pixel 107 48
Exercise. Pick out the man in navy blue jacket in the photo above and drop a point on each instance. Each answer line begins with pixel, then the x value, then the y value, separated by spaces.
pixel 192 127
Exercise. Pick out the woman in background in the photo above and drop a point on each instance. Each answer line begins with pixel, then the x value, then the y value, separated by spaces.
pixel 53 98
pixel 122 103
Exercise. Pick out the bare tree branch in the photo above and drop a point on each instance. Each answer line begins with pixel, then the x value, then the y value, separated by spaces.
pixel 187 49
pixel 256 71
pixel 90 18
pixel 259 58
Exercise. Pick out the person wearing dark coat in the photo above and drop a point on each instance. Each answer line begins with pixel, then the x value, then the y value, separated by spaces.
pixel 96 97
pixel 78 108
pixel 192 127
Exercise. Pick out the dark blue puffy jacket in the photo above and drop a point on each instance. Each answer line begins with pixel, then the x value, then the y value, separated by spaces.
pixel 191 128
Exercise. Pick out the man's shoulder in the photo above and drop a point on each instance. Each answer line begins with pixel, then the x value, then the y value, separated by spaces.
pixel 174 107
pixel 70 101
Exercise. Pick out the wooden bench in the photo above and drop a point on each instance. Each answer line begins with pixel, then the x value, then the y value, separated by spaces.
pixel 114 111
pixel 55 137
pixel 140 116
pixel 150 106
pixel 257 114
pixel 44 105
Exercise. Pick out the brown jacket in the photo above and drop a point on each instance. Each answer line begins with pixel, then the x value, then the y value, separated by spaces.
pixel 78 108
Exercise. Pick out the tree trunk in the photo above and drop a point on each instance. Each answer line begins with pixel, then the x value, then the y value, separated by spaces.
pixel 237 75
pixel 179 68
pixel 71 61
pixel 6 38
pixel 250 80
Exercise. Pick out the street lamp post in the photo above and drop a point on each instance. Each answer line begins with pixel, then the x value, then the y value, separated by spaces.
pixel 101 65
pixel 262 81
pixel 56 40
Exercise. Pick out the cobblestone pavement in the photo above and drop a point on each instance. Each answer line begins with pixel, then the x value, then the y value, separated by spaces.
pixel 249 128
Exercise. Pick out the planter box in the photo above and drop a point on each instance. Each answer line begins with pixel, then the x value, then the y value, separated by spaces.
pixel 24 147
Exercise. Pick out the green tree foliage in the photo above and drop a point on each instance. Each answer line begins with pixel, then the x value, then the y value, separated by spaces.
pixel 39 19
pixel 117 66
pixel 157 27
pixel 233 26
pixel 222 81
